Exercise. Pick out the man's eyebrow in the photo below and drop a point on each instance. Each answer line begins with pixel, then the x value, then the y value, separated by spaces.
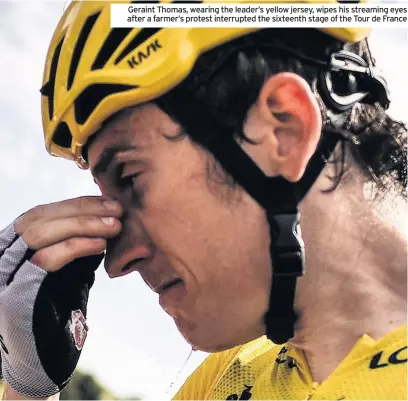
pixel 107 157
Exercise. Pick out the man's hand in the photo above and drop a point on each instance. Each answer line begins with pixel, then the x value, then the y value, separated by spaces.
pixel 48 257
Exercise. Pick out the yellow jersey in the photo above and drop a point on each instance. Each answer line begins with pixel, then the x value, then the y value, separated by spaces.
pixel 260 370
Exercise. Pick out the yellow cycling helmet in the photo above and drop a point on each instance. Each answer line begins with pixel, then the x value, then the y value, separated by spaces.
pixel 93 71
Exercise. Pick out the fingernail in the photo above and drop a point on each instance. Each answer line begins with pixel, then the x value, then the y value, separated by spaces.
pixel 109 221
pixel 111 205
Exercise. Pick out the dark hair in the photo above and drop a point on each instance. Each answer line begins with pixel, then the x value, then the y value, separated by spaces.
pixel 228 81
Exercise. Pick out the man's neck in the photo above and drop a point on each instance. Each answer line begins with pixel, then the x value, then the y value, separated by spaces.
pixel 355 281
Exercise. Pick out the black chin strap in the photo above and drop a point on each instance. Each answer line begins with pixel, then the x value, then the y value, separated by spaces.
pixel 277 196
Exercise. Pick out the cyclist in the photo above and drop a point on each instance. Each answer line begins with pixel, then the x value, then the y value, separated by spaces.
pixel 212 148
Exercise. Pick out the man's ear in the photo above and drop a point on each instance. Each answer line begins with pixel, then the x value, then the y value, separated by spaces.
pixel 286 122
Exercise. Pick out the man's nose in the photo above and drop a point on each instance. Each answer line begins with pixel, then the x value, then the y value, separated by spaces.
pixel 131 250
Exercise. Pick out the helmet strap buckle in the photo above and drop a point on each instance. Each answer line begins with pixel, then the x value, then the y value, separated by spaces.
pixel 287 257
pixel 287 245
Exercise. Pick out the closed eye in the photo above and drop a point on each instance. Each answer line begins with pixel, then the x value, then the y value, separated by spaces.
pixel 122 180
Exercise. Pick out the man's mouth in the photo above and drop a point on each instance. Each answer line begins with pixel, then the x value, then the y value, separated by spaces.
pixel 171 295
pixel 161 289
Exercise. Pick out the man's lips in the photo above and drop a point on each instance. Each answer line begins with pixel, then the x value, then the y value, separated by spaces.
pixel 160 289
pixel 159 284
pixel 172 297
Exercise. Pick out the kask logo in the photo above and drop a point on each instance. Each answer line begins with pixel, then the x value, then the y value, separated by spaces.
pixel 138 58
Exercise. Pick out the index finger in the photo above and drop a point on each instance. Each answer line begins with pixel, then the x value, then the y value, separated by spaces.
pixel 85 205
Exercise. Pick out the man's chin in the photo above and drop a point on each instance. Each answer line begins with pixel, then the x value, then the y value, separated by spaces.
pixel 202 339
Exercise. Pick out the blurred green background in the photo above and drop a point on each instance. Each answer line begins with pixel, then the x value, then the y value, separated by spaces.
pixel 84 386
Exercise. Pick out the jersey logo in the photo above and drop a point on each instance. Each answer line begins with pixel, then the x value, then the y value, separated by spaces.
pixel 140 56
pixel 245 395
pixel 79 328
pixel 394 359
pixel 282 358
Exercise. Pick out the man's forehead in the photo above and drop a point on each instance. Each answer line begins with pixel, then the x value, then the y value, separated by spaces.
pixel 106 139
pixel 119 131
pixel 139 127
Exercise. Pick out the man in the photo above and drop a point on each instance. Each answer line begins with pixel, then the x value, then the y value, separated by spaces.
pixel 208 146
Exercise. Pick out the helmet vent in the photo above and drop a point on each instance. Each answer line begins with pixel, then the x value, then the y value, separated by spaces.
pixel 51 81
pixel 62 136
pixel 143 35
pixel 90 98
pixel 83 36
pixel 114 39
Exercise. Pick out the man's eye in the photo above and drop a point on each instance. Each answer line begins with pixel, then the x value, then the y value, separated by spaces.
pixel 127 181
pixel 124 181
